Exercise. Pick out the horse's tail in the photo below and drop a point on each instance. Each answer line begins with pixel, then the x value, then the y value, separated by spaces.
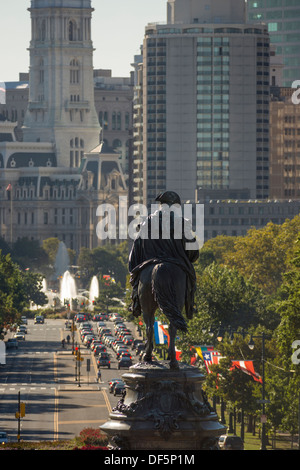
pixel 165 294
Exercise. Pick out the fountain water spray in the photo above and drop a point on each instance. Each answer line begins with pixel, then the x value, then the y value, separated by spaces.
pixel 94 290
pixel 68 289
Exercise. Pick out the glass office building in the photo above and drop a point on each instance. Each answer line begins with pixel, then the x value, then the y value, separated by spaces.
pixel 283 20
pixel 205 110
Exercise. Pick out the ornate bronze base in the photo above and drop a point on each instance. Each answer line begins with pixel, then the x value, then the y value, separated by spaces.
pixel 163 409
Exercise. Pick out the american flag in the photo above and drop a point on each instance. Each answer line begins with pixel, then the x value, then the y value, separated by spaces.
pixel 211 357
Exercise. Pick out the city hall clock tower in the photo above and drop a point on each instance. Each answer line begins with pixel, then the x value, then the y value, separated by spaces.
pixel 61 98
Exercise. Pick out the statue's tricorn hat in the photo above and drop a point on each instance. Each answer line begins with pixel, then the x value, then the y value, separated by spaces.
pixel 168 197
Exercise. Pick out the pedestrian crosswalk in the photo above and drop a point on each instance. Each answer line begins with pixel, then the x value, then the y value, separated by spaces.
pixel 25 386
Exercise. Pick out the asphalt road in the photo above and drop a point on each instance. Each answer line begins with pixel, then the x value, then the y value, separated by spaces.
pixel 59 402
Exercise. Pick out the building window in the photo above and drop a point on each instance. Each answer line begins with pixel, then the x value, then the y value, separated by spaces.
pixel 103 119
pixel 72 30
pixel 45 218
pixel 76 152
pixel 74 72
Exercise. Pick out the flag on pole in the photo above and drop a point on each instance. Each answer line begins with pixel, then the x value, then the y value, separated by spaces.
pixel 248 368
pixel 211 358
pixel 161 334
pixel 202 349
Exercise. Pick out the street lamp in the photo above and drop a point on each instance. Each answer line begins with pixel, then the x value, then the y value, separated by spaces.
pixel 263 401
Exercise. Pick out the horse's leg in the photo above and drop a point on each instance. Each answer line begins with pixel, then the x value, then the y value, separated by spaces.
pixel 148 306
pixel 172 353
pixel 149 323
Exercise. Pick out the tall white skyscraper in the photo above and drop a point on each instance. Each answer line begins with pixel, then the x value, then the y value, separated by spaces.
pixel 205 103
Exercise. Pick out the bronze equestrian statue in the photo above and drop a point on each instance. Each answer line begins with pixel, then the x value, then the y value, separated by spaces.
pixel 161 271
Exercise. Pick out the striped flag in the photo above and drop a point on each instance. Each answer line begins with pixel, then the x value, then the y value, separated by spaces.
pixel 210 358
pixel 161 334
pixel 248 368
pixel 202 349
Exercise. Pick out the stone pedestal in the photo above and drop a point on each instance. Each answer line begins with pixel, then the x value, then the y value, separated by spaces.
pixel 163 409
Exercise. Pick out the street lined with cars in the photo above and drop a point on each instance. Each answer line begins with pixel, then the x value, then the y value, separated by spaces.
pixel 43 370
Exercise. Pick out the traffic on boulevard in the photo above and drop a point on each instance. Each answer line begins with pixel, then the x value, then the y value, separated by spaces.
pixel 67 374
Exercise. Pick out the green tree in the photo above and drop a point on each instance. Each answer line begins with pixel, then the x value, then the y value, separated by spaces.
pixel 17 289
pixel 288 307
pixel 109 292
pixel 29 254
pixel 263 255
pixel 227 298
pixel 104 260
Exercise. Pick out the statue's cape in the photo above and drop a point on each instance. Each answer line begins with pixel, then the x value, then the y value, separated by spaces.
pixel 151 248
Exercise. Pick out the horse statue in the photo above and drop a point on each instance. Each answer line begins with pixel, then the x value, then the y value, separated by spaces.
pixel 162 273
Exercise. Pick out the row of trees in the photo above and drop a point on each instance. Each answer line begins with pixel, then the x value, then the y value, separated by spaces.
pixel 17 289
pixel 23 266
pixel 248 286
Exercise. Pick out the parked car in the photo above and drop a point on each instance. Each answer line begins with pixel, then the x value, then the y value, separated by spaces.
pixel 124 362
pixel 88 340
pixel 12 343
pixel 22 328
pixel 100 348
pixel 3 437
pixel 39 319
pixel 140 348
pixel 128 340
pixel 112 383
pixel 96 317
pixel 116 344
pixel 94 343
pixel 80 318
pixel 103 360
pixel 119 388
pixel 125 354
pixel 230 442
pixel 19 336
pixel 135 342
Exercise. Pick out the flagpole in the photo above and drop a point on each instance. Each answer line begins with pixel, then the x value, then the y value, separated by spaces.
pixel 11 213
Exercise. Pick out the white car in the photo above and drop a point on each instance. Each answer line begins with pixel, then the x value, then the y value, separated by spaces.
pixel 19 336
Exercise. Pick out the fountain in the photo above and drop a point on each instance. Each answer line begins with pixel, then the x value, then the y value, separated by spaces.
pixel 62 261
pixel 68 290
pixel 94 291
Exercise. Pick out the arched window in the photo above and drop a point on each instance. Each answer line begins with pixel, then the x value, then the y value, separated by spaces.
pixel 103 119
pixel 41 71
pixel 118 121
pixel 74 71
pixel 72 30
pixel 117 144
pixel 76 152
pixel 42 31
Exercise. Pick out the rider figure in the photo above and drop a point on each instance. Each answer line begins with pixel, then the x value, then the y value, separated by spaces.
pixel 148 249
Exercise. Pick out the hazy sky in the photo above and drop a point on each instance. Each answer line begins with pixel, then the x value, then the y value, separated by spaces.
pixel 117 32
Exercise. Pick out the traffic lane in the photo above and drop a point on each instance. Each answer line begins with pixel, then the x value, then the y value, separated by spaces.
pixel 77 409
pixel 39 408
pixel 28 368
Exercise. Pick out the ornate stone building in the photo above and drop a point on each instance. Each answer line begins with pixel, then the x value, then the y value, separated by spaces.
pixel 52 182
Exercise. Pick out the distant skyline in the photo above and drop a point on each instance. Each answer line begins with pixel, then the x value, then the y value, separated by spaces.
pixel 118 28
